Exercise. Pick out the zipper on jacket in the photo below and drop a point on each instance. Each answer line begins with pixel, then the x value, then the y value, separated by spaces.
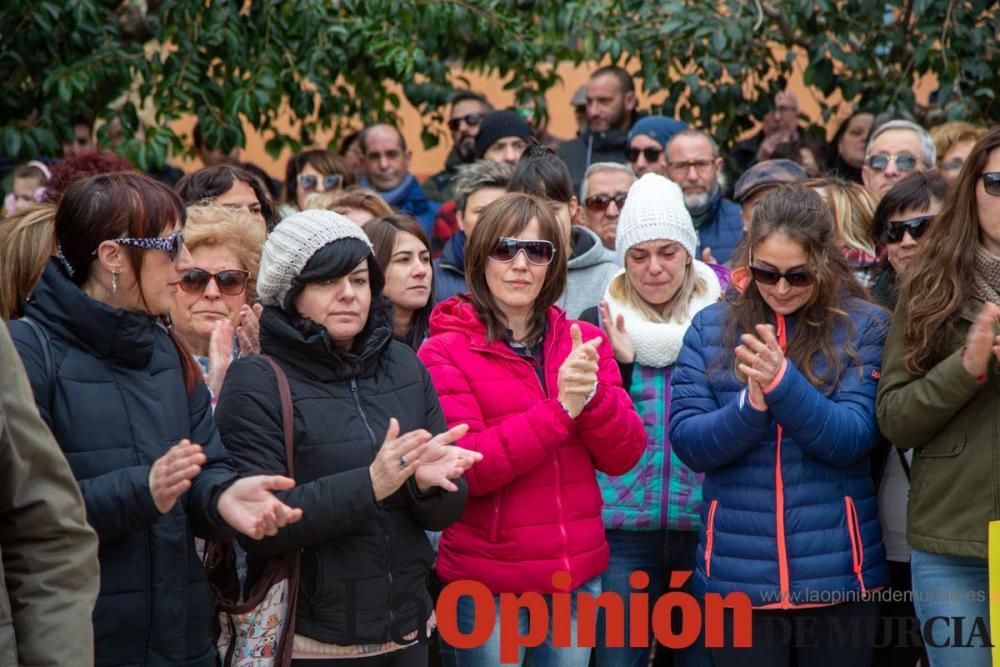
pixel 495 525
pixel 857 545
pixel 381 515
pixel 779 493
pixel 710 537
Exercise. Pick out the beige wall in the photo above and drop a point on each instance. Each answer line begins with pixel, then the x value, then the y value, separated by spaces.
pixel 562 123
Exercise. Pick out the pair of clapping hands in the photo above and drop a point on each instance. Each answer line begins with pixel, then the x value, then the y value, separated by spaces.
pixel 760 360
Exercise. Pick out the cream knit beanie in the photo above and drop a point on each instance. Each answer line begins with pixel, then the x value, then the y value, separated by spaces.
pixel 291 245
pixel 653 211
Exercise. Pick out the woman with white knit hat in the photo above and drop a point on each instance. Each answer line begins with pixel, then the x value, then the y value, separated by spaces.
pixel 645 312
pixel 371 477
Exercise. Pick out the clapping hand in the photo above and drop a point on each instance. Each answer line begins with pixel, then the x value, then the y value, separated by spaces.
pixel 250 506
pixel 981 342
pixel 621 342
pixel 578 373
pixel 444 461
pixel 760 359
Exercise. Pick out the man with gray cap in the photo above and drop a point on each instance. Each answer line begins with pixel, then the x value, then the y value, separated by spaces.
pixel 760 179
pixel 647 143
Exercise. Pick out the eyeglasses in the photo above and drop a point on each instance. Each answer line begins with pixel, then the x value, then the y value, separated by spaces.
pixel 231 282
pixel 651 154
pixel 598 203
pixel 797 278
pixel 308 182
pixel 894 229
pixel 991 183
pixel 537 252
pixel 169 244
pixel 880 162
pixel 472 120
pixel 684 167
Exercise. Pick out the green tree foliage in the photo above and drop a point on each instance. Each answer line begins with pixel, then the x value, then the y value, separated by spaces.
pixel 323 64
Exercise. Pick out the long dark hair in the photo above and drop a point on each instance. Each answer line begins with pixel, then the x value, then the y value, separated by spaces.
pixel 382 232
pixel 110 206
pixel 943 269
pixel 801 215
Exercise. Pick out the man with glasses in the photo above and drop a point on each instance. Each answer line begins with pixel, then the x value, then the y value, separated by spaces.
pixel 387 172
pixel 693 163
pixel 781 126
pixel 603 192
pixel 647 142
pixel 895 150
pixel 467 112
pixel 611 111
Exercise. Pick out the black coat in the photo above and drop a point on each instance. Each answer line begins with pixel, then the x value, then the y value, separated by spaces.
pixel 117 404
pixel 364 563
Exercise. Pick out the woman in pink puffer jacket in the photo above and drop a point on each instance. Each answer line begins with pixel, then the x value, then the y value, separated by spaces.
pixel 543 399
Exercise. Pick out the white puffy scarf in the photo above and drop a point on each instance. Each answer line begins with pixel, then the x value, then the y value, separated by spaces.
pixel 658 344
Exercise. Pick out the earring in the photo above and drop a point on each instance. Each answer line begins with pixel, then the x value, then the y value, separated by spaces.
pixel 114 281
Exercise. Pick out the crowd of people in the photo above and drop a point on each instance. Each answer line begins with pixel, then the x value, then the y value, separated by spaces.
pixel 544 368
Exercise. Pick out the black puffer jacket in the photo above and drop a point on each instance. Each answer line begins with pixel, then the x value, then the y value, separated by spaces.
pixel 119 403
pixel 364 564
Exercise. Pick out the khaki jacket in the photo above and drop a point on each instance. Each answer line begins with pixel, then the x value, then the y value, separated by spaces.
pixel 952 422
pixel 48 552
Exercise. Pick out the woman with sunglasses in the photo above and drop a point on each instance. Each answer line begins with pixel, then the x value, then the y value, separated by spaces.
pixel 939 396
pixel 653 508
pixel 371 477
pixel 404 253
pixel 311 172
pixel 212 313
pixel 543 400
pixel 773 399
pixel 125 401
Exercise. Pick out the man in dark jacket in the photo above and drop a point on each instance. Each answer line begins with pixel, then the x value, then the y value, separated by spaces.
pixel 468 109
pixel 49 577
pixel 693 163
pixel 611 104
pixel 387 172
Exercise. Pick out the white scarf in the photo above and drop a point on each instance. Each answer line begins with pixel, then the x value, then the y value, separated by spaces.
pixel 658 344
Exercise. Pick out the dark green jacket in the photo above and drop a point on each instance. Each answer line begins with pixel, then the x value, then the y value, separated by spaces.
pixel 952 422
pixel 48 552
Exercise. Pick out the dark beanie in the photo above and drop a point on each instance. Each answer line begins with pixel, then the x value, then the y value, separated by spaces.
pixel 498 125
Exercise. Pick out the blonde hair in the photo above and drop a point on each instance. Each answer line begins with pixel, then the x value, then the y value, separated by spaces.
pixel 955 132
pixel 676 310
pixel 26 243
pixel 853 208
pixel 237 231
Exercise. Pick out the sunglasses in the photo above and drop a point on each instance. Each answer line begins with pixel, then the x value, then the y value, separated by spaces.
pixel 894 230
pixel 538 252
pixel 991 183
pixel 472 120
pixel 598 203
pixel 651 154
pixel 798 278
pixel 231 282
pixel 170 244
pixel 308 182
pixel 904 162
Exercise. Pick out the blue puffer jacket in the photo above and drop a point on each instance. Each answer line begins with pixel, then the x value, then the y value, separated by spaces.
pixel 722 229
pixel 790 514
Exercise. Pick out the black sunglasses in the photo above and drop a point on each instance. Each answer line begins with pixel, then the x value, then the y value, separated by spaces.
pixel 651 154
pixel 894 229
pixel 904 162
pixel 308 182
pixel 991 183
pixel 799 278
pixel 597 203
pixel 537 252
pixel 472 120
pixel 169 244
pixel 231 282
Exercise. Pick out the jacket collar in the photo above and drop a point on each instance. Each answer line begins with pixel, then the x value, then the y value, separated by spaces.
pixel 124 336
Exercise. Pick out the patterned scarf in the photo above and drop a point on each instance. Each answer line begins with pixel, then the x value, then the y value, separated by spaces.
pixel 987 276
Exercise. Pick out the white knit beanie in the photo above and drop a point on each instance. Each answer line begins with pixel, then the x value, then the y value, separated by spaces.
pixel 654 210
pixel 292 243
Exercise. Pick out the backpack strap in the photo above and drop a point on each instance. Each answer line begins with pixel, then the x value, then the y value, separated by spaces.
pixel 47 357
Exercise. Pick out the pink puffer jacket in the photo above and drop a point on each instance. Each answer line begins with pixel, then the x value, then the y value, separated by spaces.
pixel 534 506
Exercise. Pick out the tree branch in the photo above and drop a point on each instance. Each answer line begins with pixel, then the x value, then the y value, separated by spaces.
pixel 786 30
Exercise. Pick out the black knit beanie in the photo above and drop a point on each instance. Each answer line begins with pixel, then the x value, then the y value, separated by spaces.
pixel 498 125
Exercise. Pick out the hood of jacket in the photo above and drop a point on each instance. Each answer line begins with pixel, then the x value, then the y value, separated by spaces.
pixel 312 351
pixel 587 249
pixel 106 332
